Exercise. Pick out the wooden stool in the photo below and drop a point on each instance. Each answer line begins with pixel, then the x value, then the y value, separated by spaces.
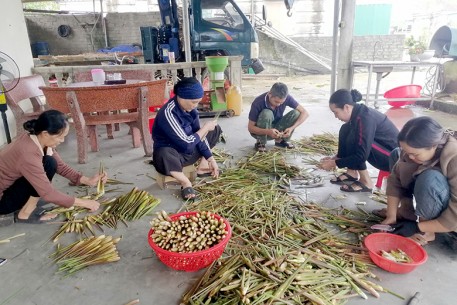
pixel 163 180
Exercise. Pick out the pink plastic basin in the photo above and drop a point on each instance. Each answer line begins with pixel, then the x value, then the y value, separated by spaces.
pixel 408 91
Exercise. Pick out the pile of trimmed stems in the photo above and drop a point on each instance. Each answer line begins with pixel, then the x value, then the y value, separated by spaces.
pixel 85 253
pixel 322 144
pixel 281 250
pixel 128 207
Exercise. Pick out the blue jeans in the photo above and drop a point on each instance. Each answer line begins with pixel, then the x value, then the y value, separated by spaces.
pixel 266 121
pixel 432 194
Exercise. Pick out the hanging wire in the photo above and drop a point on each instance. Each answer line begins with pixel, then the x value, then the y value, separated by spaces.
pixel 430 78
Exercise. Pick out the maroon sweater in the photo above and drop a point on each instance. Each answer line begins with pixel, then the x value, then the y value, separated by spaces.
pixel 24 158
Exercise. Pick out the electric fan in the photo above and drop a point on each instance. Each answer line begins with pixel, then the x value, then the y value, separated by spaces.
pixel 9 78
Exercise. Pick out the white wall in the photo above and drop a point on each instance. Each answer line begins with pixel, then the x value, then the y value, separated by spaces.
pixel 14 41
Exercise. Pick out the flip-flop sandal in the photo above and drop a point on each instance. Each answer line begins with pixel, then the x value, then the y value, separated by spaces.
pixel 285 144
pixel 260 147
pixel 340 181
pixel 35 216
pixel 187 192
pixel 350 188
pixel 203 175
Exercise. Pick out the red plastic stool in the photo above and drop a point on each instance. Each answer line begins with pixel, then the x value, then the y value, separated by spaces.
pixel 381 176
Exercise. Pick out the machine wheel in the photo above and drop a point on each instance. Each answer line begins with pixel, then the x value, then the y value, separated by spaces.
pixel 229 113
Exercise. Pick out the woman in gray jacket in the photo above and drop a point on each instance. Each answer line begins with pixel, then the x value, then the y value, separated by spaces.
pixel 427 171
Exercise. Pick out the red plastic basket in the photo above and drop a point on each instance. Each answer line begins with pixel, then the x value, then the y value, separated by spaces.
pixel 191 261
pixel 385 241
pixel 408 91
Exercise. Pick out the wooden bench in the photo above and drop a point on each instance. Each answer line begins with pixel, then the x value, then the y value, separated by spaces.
pixel 108 104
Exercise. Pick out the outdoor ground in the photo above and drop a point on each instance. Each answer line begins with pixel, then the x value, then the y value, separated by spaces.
pixel 29 277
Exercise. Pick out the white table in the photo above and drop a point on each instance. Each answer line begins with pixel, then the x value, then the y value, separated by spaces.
pixel 381 67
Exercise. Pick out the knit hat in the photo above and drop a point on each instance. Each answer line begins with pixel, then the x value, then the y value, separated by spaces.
pixel 189 89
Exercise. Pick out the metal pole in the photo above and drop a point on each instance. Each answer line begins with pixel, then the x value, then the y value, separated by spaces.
pixel 345 44
pixel 336 21
pixel 103 23
pixel 186 34
pixel 252 11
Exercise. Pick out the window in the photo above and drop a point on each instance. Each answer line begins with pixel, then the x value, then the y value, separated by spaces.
pixel 222 13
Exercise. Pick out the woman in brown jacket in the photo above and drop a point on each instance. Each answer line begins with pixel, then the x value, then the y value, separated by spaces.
pixel 27 166
pixel 427 171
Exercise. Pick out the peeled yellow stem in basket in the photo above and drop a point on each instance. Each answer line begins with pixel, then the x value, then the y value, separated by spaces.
pixel 398 256
pixel 187 234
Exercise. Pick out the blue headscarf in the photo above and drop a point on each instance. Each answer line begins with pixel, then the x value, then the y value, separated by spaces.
pixel 189 88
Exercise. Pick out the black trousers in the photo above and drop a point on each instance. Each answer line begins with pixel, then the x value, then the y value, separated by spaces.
pixel 16 196
pixel 168 159
pixel 378 157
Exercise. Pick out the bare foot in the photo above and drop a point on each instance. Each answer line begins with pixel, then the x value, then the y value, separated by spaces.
pixel 423 238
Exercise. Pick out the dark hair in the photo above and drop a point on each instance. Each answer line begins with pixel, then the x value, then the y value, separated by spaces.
pixel 422 132
pixel 52 121
pixel 342 97
pixel 279 90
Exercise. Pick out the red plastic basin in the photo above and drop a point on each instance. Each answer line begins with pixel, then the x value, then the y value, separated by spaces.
pixel 408 91
pixel 385 241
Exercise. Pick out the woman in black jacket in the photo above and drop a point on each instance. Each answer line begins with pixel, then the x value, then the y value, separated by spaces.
pixel 366 135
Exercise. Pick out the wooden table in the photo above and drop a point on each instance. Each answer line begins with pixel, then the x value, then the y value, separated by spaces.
pixel 92 104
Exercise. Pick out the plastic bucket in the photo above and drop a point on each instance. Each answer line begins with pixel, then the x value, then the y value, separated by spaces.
pixel 98 76
pixel 40 48
pixel 257 66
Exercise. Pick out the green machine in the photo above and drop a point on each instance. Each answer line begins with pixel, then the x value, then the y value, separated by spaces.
pixel 213 102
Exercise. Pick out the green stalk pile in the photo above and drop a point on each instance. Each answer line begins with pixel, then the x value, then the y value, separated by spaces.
pixel 85 253
pixel 270 163
pixel 282 251
pixel 323 144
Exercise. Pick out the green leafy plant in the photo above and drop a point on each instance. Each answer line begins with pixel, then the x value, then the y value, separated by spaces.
pixel 415 46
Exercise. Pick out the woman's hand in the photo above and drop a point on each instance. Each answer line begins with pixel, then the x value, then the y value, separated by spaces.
pixel 212 164
pixel 210 125
pixel 92 181
pixel 327 158
pixel 327 164
pixel 89 204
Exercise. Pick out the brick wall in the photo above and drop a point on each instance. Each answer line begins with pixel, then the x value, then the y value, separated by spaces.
pixel 122 28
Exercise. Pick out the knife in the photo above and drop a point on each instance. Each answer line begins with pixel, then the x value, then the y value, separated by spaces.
pixel 382 227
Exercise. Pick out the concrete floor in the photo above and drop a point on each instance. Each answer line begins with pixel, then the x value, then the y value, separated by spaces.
pixel 29 277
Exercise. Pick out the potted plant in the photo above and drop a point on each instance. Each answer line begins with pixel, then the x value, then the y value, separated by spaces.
pixel 415 47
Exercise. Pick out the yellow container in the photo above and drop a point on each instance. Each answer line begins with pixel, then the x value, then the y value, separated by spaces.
pixel 234 99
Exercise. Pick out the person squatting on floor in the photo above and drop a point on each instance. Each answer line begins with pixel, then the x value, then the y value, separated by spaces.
pixel 179 140
pixel 366 135
pixel 28 165
pixel 426 170
pixel 267 120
